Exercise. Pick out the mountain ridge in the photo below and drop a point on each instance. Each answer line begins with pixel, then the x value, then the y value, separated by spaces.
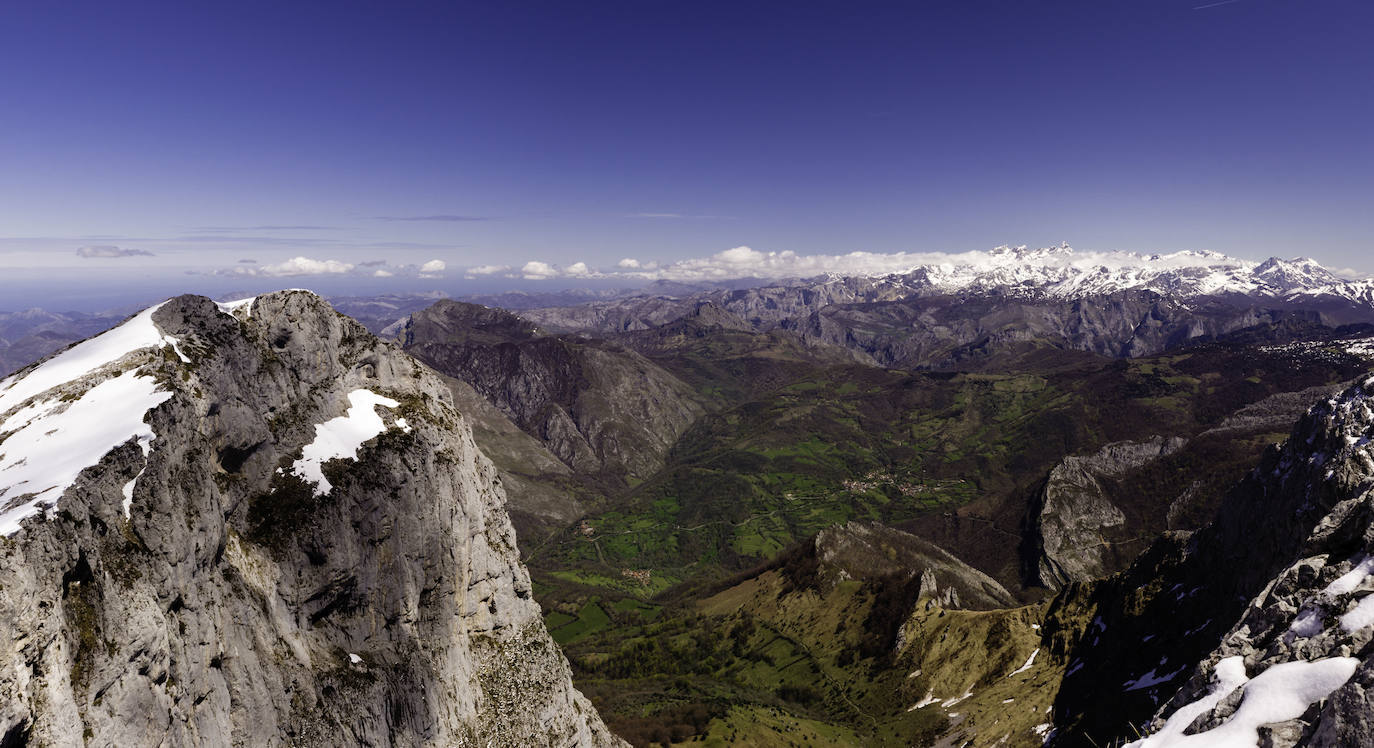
pixel 309 549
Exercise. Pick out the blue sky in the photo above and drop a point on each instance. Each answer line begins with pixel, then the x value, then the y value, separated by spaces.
pixel 496 134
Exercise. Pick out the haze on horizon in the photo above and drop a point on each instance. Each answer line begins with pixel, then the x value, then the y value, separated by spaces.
pixel 153 148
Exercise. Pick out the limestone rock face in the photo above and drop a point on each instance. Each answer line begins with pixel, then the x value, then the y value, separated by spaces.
pixel 1075 507
pixel 210 587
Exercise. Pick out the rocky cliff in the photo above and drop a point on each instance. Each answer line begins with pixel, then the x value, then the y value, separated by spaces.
pixel 1074 510
pixel 598 407
pixel 257 524
pixel 1258 628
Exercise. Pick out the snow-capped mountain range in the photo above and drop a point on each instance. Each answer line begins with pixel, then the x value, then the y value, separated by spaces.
pixel 1060 272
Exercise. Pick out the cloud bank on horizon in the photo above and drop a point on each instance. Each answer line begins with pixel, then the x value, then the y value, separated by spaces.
pixel 110 250
pixel 306 266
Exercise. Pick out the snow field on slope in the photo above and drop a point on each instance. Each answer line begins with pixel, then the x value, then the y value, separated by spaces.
pixel 49 449
pixel 84 357
pixel 1278 694
pixel 341 437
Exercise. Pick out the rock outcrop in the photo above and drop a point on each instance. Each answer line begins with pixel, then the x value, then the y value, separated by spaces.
pixel 1075 509
pixel 868 550
pixel 298 543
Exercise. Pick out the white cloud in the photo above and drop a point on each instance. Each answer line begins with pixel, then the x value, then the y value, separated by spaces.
pixel 110 250
pixel 535 270
pixel 578 270
pixel 296 266
pixel 1350 273
pixel 382 273
pixel 433 266
pixel 629 263
pixel 488 269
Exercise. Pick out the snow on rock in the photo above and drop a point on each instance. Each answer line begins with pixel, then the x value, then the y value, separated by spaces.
pixel 229 307
pixel 1308 623
pixel 341 437
pixel 1362 615
pixel 133 334
pixel 169 340
pixel 144 443
pixel 1348 581
pixel 51 445
pixel 1278 694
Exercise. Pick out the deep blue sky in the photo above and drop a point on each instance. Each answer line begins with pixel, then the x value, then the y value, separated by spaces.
pixel 207 133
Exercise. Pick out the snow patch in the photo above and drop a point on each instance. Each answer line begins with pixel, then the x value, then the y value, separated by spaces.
pixel 1308 623
pixel 1030 661
pixel 169 340
pixel 146 445
pixel 354 659
pixel 1362 615
pixel 923 703
pixel 52 445
pixel 341 437
pixel 1348 581
pixel 1281 693
pixel 1151 679
pixel 955 700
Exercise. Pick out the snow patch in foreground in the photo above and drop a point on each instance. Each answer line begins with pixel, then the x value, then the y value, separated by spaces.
pixel 49 449
pixel 341 437
pixel 1281 693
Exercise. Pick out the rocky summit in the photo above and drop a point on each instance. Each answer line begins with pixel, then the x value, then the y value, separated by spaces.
pixel 257 524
